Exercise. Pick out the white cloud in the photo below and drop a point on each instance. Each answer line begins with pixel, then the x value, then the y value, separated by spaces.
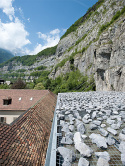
pixel 6 6
pixel 28 19
pixel 37 49
pixel 13 35
pixel 21 13
pixel 42 36
pixel 55 32
pixel 50 39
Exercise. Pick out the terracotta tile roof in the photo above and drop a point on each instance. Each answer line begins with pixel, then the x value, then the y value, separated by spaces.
pixel 25 141
pixel 21 99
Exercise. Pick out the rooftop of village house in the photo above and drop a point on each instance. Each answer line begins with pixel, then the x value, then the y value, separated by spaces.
pixel 24 142
pixel 21 99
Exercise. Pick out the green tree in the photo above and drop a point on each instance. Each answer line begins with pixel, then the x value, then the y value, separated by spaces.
pixel 39 86
pixel 4 86
pixel 30 85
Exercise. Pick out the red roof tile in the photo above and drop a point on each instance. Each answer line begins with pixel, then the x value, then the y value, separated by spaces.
pixel 21 99
pixel 25 141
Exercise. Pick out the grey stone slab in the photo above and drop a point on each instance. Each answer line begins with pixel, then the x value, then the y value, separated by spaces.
pixel 66 140
pixel 102 162
pixel 83 162
pixel 84 149
pixel 116 126
pixel 104 155
pixel 109 121
pixel 71 127
pixel 123 158
pixel 110 140
pixel 77 137
pixel 94 115
pixel 93 126
pixel 112 131
pixel 123 130
pixel 103 125
pixel 65 128
pixel 96 122
pixel 103 131
pixel 69 135
pixel 99 140
pixel 67 154
pixel 122 137
pixel 81 128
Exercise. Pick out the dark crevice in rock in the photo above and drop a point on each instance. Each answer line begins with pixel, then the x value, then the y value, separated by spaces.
pixel 95 53
pixel 100 73
pixel 106 55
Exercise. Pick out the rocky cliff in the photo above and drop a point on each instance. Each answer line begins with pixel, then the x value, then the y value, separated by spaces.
pixel 96 47
pixel 94 44
pixel 47 61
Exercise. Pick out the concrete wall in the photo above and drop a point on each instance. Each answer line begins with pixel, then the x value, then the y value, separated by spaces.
pixel 10 115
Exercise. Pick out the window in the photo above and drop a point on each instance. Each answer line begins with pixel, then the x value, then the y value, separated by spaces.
pixel 7 101
pixel 3 119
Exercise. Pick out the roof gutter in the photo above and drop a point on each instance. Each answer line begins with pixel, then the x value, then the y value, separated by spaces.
pixel 51 151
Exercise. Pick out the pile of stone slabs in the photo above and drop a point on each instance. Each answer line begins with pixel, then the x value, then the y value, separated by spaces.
pixel 92 122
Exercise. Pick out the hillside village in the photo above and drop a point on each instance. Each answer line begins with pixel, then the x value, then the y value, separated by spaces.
pixel 65 106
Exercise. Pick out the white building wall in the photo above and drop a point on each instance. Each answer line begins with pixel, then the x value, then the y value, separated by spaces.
pixel 10 115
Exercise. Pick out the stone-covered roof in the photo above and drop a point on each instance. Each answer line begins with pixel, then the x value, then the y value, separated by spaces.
pixel 21 99
pixel 91 129
pixel 25 141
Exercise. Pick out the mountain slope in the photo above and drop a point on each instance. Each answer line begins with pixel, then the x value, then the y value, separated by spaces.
pixel 5 55
pixel 28 60
pixel 95 46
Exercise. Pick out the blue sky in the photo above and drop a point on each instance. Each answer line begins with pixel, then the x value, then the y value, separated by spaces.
pixel 29 26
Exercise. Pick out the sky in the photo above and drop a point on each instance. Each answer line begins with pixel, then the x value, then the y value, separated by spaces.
pixel 29 26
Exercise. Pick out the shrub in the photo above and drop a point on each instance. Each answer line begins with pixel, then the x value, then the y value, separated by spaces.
pixel 116 16
pixel 39 86
pixel 21 70
pixel 78 41
pixel 40 68
pixel 103 27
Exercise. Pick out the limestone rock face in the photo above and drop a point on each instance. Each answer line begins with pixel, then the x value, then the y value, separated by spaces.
pixel 104 55
pixel 47 61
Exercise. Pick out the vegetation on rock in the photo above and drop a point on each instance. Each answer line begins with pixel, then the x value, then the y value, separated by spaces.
pixel 29 60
